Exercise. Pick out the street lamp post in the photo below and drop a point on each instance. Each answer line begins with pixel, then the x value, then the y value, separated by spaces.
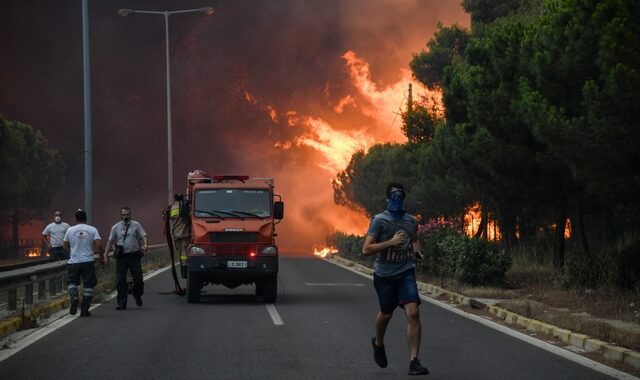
pixel 207 11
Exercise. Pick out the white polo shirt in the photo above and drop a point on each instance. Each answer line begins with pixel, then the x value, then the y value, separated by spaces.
pixel 55 232
pixel 81 238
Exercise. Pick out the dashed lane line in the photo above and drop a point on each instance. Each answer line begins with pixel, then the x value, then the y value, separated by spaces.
pixel 273 313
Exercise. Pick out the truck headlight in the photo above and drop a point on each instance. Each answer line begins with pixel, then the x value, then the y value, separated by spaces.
pixel 197 250
pixel 271 250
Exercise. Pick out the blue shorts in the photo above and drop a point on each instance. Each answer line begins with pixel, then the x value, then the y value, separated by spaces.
pixel 396 290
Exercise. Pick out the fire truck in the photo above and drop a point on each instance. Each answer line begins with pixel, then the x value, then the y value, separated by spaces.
pixel 233 221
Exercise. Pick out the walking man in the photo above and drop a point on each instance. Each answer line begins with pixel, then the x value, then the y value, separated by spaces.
pixel 392 237
pixel 130 242
pixel 81 241
pixel 53 237
pixel 180 226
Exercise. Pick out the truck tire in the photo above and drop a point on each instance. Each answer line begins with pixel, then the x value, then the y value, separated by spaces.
pixel 259 288
pixel 194 285
pixel 270 289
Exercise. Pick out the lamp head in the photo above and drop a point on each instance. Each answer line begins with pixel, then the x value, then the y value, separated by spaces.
pixel 125 12
pixel 206 10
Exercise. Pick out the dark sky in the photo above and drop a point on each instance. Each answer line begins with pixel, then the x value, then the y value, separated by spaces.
pixel 235 76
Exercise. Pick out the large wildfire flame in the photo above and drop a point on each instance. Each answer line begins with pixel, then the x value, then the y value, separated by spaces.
pixel 332 138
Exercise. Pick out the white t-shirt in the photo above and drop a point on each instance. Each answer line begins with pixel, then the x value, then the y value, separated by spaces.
pixel 81 238
pixel 55 232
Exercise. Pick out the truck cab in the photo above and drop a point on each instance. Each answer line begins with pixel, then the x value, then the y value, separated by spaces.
pixel 233 221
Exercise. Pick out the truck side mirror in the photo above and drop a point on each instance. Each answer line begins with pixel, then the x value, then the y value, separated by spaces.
pixel 278 210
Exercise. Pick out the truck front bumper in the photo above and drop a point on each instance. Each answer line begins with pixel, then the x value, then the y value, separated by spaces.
pixel 220 268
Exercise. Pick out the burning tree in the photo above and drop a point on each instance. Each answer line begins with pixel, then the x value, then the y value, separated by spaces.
pixel 32 171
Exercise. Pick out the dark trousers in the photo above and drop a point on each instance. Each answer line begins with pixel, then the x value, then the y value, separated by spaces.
pixel 130 262
pixel 58 253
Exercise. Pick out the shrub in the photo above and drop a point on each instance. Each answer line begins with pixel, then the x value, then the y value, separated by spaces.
pixel 455 255
pixel 617 266
pixel 349 246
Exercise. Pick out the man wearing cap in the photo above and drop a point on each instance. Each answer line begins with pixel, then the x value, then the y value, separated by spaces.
pixel 53 236
pixel 81 242
pixel 392 237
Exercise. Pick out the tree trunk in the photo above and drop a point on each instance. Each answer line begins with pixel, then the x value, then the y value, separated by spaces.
pixel 15 236
pixel 580 229
pixel 508 229
pixel 558 239
pixel 482 228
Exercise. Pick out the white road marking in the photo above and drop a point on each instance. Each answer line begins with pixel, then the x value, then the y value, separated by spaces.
pixel 345 284
pixel 562 352
pixel 273 313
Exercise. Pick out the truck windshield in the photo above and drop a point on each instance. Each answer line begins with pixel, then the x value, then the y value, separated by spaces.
pixel 230 203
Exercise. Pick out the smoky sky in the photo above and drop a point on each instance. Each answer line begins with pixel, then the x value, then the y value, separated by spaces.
pixel 226 70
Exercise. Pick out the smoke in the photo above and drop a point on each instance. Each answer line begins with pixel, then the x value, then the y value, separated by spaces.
pixel 283 89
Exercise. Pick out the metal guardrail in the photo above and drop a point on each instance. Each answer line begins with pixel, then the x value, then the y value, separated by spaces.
pixel 43 282
pixel 46 279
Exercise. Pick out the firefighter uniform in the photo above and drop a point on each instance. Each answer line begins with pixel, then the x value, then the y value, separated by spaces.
pixel 180 226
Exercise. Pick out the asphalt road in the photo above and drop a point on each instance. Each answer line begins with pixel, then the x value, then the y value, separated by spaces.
pixel 320 328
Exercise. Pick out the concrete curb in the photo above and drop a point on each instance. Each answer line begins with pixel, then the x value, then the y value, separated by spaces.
pixel 572 338
pixel 14 324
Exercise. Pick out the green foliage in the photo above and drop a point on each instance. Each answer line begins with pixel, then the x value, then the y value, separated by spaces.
pixel 32 170
pixel 487 11
pixel 419 123
pixel 428 66
pixel 471 261
pixel 348 246
pixel 362 184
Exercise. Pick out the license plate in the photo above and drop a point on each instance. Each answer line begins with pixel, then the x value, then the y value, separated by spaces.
pixel 236 264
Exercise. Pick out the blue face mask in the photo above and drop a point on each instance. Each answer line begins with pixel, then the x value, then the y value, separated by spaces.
pixel 394 202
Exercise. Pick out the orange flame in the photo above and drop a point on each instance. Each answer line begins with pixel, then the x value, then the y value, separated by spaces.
pixel 472 220
pixel 32 252
pixel 369 115
pixel 324 252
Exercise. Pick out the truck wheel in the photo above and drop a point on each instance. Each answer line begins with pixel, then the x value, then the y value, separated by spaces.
pixel 259 288
pixel 194 286
pixel 270 289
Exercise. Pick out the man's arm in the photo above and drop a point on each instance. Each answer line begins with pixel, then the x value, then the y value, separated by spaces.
pixel 370 246
pixel 105 254
pixel 417 247
pixel 145 243
pixel 97 247
pixel 66 247
pixel 45 241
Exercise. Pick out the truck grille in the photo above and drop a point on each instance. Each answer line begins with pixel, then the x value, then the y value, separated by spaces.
pixel 233 237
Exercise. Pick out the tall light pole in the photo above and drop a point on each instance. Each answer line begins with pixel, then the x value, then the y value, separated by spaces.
pixel 88 162
pixel 207 11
